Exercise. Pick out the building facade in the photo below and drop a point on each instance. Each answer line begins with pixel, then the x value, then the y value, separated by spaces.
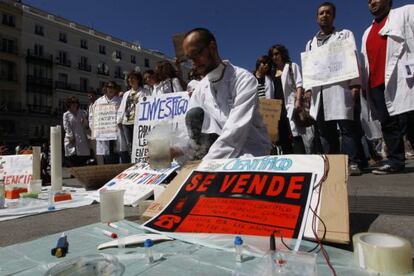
pixel 47 59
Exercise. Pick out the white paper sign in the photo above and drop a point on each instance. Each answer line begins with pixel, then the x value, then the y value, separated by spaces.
pixel 104 122
pixel 138 181
pixel 330 63
pixel 151 111
pixel 16 170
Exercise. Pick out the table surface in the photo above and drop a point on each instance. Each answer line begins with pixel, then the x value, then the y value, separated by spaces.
pixel 26 243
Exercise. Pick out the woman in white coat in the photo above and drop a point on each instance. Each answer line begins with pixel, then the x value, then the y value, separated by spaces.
pixel 75 142
pixel 110 150
pixel 288 84
pixel 168 80
pixel 126 111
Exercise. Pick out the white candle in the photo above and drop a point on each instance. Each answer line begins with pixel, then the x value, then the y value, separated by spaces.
pixel 56 158
pixel 36 163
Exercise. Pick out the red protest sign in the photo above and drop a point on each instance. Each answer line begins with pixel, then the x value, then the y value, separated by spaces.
pixel 234 202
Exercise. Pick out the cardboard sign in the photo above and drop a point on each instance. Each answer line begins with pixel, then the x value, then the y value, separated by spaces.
pixel 270 109
pixel 254 196
pixel 334 198
pixel 138 181
pixel 16 170
pixel 330 63
pixel 104 122
pixel 151 111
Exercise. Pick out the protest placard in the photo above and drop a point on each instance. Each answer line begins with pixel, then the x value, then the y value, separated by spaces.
pixel 167 109
pixel 270 109
pixel 104 122
pixel 254 196
pixel 16 170
pixel 330 63
pixel 138 181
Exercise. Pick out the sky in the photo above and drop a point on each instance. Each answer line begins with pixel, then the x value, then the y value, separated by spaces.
pixel 244 29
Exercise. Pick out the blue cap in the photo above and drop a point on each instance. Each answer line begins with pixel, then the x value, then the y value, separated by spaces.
pixel 238 240
pixel 148 243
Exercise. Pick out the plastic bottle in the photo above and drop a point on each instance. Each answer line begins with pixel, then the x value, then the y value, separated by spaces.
pixel 51 201
pixel 2 194
pixel 238 245
pixel 148 251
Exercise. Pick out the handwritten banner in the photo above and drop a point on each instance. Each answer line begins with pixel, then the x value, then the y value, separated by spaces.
pixel 104 122
pixel 330 63
pixel 138 181
pixel 16 170
pixel 254 196
pixel 151 111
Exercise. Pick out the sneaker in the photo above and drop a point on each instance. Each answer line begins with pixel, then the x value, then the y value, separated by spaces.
pixel 387 169
pixel 354 170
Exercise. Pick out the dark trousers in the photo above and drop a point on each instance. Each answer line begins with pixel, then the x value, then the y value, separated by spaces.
pixel 393 127
pixel 349 133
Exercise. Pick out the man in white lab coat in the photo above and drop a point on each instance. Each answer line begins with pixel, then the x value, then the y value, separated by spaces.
pixel 388 58
pixel 225 101
pixel 334 105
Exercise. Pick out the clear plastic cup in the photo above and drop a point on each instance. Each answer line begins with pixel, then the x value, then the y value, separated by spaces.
pixel 35 186
pixel 111 205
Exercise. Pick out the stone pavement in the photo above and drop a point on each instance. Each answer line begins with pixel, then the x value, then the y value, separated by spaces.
pixel 383 203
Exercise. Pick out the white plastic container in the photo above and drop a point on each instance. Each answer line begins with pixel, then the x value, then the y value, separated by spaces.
pixel 111 205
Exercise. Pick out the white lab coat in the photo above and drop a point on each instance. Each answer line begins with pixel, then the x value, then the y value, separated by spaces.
pixel 142 92
pixel 289 92
pixel 337 98
pixel 399 90
pixel 75 128
pixel 232 113
pixel 269 88
pixel 102 147
pixel 167 86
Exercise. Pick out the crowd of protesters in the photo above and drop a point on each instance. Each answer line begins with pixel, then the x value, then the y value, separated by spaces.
pixel 369 118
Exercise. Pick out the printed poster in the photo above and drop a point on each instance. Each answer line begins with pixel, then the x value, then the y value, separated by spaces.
pixel 138 181
pixel 330 63
pixel 104 122
pixel 168 109
pixel 16 170
pixel 254 196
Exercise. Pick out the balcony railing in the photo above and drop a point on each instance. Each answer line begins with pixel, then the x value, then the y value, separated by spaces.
pixel 39 81
pixel 102 72
pixel 42 56
pixel 39 108
pixel 63 62
pixel 9 49
pixel 84 67
pixel 71 87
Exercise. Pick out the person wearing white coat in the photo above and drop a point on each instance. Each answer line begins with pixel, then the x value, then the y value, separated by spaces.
pixel 227 97
pixel 167 78
pixel 388 51
pixel 75 141
pixel 126 111
pixel 288 79
pixel 333 105
pixel 110 149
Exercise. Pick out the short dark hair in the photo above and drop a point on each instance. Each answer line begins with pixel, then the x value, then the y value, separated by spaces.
pixel 70 101
pixel 263 59
pixel 284 52
pixel 205 35
pixel 137 75
pixel 329 4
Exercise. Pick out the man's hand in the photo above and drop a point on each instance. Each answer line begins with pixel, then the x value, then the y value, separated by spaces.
pixel 175 152
pixel 355 93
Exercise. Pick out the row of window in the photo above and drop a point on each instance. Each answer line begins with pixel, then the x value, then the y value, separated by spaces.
pixel 84 44
pixel 8 20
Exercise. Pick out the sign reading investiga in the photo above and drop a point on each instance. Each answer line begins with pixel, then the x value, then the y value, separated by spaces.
pixel 151 111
